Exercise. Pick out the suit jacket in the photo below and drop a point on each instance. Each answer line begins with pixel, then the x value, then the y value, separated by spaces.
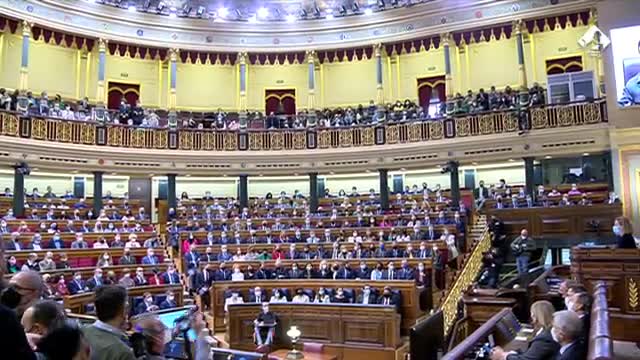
pixel 166 304
pixel 173 278
pixel 372 298
pixel 139 281
pixel 150 260
pixel 93 283
pixel 541 347
pixel 577 351
pixel 127 260
pixel 386 276
pixel 405 274
pixel 75 287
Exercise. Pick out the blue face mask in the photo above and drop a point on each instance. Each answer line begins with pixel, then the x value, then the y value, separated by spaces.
pixel 617 230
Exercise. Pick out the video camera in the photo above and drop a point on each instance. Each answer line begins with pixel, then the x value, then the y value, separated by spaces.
pixel 177 337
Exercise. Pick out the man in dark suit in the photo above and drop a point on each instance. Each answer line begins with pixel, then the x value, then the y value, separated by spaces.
pixel 222 274
pixel 387 298
pixel 263 273
pixel 480 193
pixel 169 302
pixel 295 272
pixel 140 279
pixel 77 285
pixel 344 273
pixel 367 296
pixel 390 273
pixel 363 273
pixel 95 281
pixel 171 277
pixel 567 331
pixel 257 296
pixel 405 272
pixel 581 304
pixel 192 259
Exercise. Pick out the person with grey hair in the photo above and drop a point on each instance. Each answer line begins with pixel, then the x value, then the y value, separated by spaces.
pixel 30 286
pixel 567 331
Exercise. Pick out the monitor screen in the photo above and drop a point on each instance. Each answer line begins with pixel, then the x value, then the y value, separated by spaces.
pixel 625 45
pixel 169 318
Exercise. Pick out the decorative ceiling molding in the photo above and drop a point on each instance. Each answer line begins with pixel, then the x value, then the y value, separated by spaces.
pixel 93 20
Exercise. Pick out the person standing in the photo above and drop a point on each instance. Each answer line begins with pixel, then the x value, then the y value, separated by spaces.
pixel 624 233
pixel 521 248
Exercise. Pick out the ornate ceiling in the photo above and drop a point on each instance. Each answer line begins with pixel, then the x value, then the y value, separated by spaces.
pixel 274 25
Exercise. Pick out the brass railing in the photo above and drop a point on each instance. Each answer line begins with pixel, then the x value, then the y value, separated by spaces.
pixel 488 123
pixel 466 277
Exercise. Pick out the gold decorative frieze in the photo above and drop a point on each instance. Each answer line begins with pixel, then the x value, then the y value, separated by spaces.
pixel 633 294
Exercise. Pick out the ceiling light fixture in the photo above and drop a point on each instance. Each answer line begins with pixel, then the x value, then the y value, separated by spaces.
pixel 263 12
pixel 368 11
pixel 290 18
pixel 252 19
pixel 131 8
pixel 223 12
pixel 329 16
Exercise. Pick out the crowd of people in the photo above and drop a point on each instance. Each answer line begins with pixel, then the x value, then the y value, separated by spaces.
pixel 398 112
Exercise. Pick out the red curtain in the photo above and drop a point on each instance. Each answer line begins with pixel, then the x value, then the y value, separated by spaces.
pixel 117 91
pixel 564 65
pixel 280 101
pixel 426 87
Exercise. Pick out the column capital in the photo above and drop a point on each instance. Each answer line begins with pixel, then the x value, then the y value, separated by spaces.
pixel 593 16
pixel 311 56
pixel 518 26
pixel 445 38
pixel 173 54
pixel 377 50
pixel 102 45
pixel 26 28
pixel 242 57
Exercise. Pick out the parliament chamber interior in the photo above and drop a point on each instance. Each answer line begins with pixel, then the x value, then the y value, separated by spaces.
pixel 322 180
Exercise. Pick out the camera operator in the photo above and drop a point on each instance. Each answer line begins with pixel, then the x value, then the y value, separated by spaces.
pixel 492 263
pixel 521 248
pixel 152 335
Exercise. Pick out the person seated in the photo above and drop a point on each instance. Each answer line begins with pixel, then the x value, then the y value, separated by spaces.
pixel 147 305
pixel 340 297
pixel 567 331
pixel 300 297
pixel 278 297
pixel 237 274
pixel 171 276
pixel 47 263
pixel 387 298
pixel 574 190
pixel 126 279
pixel 542 346
pixel 235 298
pixel 367 296
pixel 127 259
pixel 322 297
pixel 580 303
pixel 169 302
pixel 140 279
pixel 151 258
pixel 104 260
pixel 95 282
pixel 554 192
pixel 266 320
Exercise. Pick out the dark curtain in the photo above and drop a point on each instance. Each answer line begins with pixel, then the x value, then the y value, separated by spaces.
pixel 117 91
pixel 280 101
pixel 426 87
pixel 564 65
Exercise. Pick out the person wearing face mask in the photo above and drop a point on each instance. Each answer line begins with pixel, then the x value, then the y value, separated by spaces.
pixel 300 297
pixel 623 230
pixel 390 273
pixel 580 303
pixel 363 272
pixel 126 279
pixel 140 280
pixel 25 289
pixel 367 296
pixel 567 331
pixel 521 248
pixel 340 297
pixel 376 273
pixel 106 337
pixel 322 297
pixel 56 242
pixel 169 302
pixel 126 258
pixel 40 318
pixel 77 285
pixel 47 263
pixel 542 346
pixel 387 298
pixel 147 304
pixel 104 260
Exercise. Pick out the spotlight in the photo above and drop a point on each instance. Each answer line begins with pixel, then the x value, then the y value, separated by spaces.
pixel 172 12
pixel 160 7
pixel 223 12
pixel 131 8
pixel 329 16
pixel 290 18
pixel 200 11
pixel 186 9
pixel 368 11
pixel 263 12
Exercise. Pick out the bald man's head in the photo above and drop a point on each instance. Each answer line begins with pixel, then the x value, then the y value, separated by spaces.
pixel 29 285
pixel 43 317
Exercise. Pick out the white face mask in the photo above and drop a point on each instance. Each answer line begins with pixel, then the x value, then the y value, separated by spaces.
pixel 568 303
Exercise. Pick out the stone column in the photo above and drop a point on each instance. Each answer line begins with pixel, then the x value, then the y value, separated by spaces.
pixel 311 100
pixel 522 73
pixel 97 192
pixel 528 176
pixel 377 51
pixel 445 39
pixel 455 182
pixel 102 62
pixel 313 192
pixel 595 51
pixel 173 72
pixel 24 62
pixel 18 192
pixel 172 201
pixel 243 191
pixel 384 189
pixel 242 70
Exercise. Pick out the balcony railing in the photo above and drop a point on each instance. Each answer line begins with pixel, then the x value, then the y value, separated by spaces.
pixel 488 123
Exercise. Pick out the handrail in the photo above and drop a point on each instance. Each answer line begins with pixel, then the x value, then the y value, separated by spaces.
pixel 465 278
pixel 484 123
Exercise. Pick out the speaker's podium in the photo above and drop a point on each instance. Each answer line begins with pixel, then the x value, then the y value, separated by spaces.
pixel 282 355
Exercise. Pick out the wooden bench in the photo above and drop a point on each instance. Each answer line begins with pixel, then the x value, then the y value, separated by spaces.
pixel 346 330
pixel 90 238
pixel 300 219
pixel 545 286
pixel 88 272
pixel 409 294
pixel 78 303
pixel 600 341
pixel 85 257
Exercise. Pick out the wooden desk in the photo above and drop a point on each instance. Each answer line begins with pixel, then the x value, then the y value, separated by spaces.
pixel 282 355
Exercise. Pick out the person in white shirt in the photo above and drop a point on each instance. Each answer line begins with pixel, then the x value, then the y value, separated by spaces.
pixel 278 297
pixel 322 297
pixel 133 241
pixel 300 297
pixel 101 243
pixel 237 274
pixel 235 298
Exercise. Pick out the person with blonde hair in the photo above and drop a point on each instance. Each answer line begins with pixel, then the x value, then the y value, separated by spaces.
pixel 623 230
pixel 542 346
